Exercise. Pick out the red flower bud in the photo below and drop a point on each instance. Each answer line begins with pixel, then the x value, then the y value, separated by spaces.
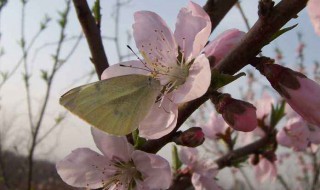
pixel 192 137
pixel 240 115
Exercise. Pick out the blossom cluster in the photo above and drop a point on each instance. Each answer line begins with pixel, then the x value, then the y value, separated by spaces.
pixel 182 63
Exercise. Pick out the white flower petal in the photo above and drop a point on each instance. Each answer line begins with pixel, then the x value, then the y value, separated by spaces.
pixel 160 121
pixel 84 168
pixel 155 170
pixel 112 146
pixel 124 68
pixel 197 82
pixel 187 28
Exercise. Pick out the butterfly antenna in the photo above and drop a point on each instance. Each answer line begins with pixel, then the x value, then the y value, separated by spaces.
pixel 130 66
pixel 148 69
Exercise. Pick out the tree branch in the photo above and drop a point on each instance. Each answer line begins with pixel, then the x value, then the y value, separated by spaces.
pixel 93 36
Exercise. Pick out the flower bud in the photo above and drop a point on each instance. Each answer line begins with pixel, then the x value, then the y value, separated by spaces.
pixel 223 44
pixel 301 93
pixel 192 137
pixel 240 115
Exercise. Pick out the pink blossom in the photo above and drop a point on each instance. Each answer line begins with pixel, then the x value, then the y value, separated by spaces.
pixel 215 126
pixel 223 44
pixel 172 58
pixel 313 8
pixel 295 134
pixel 265 169
pixel 119 167
pixel 203 171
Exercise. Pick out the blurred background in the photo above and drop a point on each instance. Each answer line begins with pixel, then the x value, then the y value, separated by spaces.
pixel 43 54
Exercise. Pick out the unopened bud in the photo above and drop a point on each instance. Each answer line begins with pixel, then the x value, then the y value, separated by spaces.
pixel 223 44
pixel 192 137
pixel 240 115
pixel 301 93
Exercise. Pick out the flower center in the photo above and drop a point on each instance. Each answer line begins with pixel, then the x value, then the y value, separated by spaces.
pixel 125 176
pixel 171 74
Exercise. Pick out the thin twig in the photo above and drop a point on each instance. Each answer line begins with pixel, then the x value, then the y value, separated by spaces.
pixel 243 15
pixel 55 68
pixel 283 182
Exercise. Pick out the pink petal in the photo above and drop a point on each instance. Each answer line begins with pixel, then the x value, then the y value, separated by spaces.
pixel 201 38
pixel 246 121
pixel 188 27
pixel 305 100
pixel 124 68
pixel 112 146
pixel 216 126
pixel 188 156
pixel 313 8
pixel 264 105
pixel 84 168
pixel 197 82
pixel 223 44
pixel 283 139
pixel 201 182
pixel 154 38
pixel 155 170
pixel 160 121
pixel 265 170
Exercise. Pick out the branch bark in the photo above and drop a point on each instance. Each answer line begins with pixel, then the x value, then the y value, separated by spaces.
pixel 93 36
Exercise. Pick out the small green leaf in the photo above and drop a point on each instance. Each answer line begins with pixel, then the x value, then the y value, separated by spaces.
pixel 280 32
pixel 60 118
pixel 176 162
pixel 137 140
pixel 219 80
pixel 44 75
pixel 96 12
pixel 277 113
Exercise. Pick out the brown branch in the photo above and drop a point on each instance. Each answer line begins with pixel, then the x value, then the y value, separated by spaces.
pixel 239 57
pixel 93 36
pixel 217 9
pixel 228 159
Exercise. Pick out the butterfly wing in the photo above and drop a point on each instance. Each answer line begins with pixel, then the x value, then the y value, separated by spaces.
pixel 115 105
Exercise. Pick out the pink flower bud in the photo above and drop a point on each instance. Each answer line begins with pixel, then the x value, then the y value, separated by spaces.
pixel 240 115
pixel 301 93
pixel 192 137
pixel 223 44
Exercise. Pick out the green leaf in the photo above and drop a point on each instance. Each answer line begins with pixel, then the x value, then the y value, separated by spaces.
pixel 277 113
pixel 280 32
pixel 96 12
pixel 176 162
pixel 219 80
pixel 137 140
pixel 44 75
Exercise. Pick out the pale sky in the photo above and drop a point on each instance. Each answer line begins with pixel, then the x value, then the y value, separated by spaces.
pixel 74 133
